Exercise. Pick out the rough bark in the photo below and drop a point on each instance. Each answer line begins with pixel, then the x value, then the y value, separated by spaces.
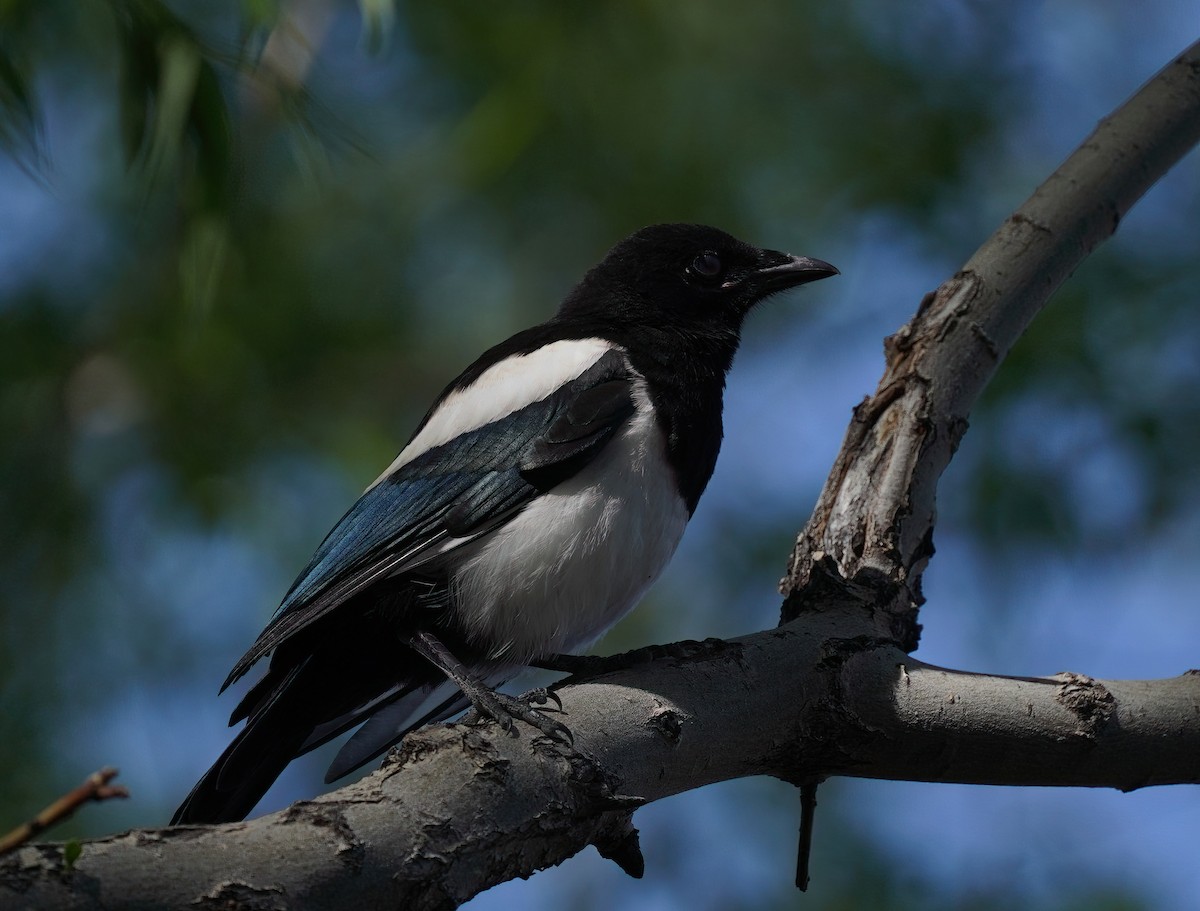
pixel 831 691
pixel 461 808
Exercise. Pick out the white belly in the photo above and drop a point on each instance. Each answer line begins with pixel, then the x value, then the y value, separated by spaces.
pixel 578 558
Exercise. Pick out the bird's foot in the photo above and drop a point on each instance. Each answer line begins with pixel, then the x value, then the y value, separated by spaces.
pixel 489 703
pixel 503 708
pixel 542 696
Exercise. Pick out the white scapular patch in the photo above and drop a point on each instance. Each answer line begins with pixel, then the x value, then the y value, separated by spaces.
pixel 500 390
pixel 577 558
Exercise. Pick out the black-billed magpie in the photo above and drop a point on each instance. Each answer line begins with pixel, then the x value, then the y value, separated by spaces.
pixel 538 499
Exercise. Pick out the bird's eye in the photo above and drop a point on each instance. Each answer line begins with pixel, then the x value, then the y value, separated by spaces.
pixel 706 265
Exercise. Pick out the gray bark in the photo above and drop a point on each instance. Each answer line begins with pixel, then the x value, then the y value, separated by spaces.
pixel 830 692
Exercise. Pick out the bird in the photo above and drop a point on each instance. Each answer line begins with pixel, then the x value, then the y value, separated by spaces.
pixel 540 496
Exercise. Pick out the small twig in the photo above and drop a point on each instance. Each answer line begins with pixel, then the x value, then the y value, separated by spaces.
pixel 808 810
pixel 96 787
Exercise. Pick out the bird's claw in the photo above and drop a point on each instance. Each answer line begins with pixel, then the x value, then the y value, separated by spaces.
pixel 502 709
pixel 543 696
pixel 557 731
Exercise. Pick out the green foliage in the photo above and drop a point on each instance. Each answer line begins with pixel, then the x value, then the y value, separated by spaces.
pixel 1107 373
pixel 242 296
pixel 170 97
pixel 19 120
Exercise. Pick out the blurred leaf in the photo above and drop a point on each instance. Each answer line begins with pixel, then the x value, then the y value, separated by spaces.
pixel 201 262
pixel 258 18
pixel 208 123
pixel 138 84
pixel 71 852
pixel 378 20
pixel 20 122
pixel 179 71
pixel 171 100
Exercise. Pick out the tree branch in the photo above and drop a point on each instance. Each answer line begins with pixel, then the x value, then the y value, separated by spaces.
pixel 460 808
pixel 96 787
pixel 875 515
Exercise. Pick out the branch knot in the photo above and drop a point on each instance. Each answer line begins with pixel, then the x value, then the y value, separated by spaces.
pixel 1088 699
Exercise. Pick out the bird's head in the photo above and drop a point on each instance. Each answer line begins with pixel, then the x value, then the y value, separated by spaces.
pixel 687 276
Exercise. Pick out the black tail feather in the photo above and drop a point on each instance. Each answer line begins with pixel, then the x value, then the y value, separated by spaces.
pixel 238 780
pixel 307 697
pixel 276 728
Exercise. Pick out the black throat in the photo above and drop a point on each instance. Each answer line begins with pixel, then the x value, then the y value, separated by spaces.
pixel 685 378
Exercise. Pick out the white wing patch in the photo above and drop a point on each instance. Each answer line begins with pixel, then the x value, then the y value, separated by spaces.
pixel 500 390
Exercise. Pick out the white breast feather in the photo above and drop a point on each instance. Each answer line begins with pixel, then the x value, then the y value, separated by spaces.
pixel 579 557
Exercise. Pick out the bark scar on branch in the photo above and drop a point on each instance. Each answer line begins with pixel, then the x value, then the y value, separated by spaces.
pixel 1088 699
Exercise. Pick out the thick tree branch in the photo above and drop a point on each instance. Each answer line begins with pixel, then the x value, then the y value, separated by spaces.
pixel 459 809
pixel 875 515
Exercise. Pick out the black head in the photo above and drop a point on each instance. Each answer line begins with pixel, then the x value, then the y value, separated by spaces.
pixel 686 277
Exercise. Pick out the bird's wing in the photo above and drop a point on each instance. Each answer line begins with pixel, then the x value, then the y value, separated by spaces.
pixel 455 492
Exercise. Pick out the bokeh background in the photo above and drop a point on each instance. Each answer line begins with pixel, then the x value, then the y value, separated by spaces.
pixel 243 245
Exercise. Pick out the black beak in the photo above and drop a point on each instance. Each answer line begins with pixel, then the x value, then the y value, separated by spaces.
pixel 792 272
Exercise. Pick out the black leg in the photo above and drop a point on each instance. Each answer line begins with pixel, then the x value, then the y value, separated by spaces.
pixel 500 707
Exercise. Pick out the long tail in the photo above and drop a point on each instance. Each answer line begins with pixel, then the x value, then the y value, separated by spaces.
pixel 273 736
pixel 297 709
